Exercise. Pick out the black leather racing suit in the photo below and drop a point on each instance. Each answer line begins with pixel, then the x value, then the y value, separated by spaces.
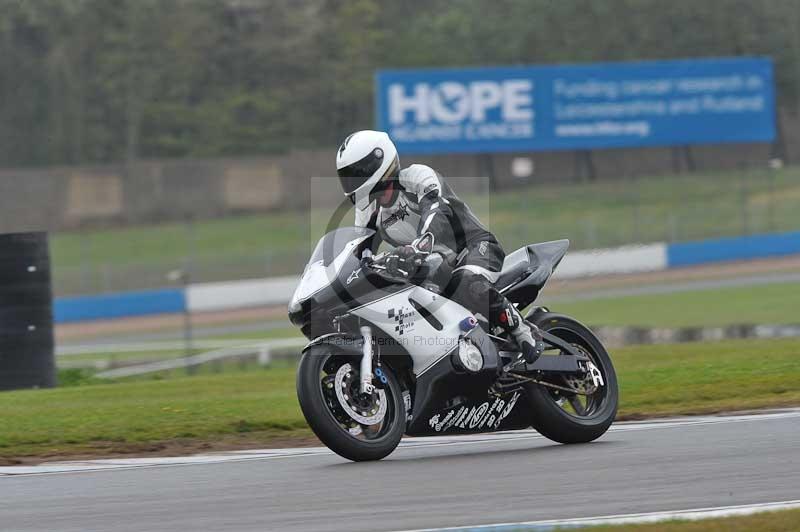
pixel 422 202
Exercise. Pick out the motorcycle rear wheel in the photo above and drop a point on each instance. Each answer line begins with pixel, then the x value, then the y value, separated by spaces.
pixel 569 418
pixel 329 419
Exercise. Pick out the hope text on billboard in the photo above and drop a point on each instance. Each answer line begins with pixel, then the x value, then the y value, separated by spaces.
pixel 578 106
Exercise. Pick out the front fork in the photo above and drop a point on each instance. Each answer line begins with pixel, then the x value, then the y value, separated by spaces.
pixel 366 361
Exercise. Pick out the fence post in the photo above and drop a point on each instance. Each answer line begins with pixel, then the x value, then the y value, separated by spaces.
pixel 637 199
pixel 774 166
pixel 672 223
pixel 264 356
pixel 107 282
pixel 183 277
pixel 743 204
pixel 86 253
pixel 591 232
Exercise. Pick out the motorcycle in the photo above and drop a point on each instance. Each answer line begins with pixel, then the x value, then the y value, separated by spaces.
pixel 389 355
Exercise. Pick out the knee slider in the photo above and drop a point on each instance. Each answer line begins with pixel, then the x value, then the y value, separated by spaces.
pixel 471 290
pixel 479 287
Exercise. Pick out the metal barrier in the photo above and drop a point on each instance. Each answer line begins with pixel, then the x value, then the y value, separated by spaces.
pixel 262 350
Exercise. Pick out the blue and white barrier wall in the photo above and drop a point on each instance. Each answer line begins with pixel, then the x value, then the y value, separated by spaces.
pixel 625 259
pixel 231 295
pixel 119 305
pixel 732 249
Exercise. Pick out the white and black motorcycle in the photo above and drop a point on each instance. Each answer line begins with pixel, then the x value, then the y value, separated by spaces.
pixel 391 356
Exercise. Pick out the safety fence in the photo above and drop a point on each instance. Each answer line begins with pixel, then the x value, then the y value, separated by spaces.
pixel 229 295
pixel 602 214
pixel 110 361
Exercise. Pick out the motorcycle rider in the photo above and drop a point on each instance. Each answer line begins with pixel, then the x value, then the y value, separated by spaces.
pixel 403 204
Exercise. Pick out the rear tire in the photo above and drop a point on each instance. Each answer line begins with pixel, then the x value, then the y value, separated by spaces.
pixel 547 415
pixel 329 430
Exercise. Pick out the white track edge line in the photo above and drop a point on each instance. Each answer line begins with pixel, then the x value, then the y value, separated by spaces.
pixel 112 464
pixel 695 514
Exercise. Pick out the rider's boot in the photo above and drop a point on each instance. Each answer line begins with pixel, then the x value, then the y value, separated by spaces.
pixel 527 335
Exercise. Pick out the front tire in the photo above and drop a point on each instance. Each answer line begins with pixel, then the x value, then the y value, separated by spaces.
pixel 328 418
pixel 552 411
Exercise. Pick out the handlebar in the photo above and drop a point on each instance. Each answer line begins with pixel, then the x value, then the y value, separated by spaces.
pixel 427 267
pixel 378 263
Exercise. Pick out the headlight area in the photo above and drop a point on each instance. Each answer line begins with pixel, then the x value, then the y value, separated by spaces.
pixel 467 357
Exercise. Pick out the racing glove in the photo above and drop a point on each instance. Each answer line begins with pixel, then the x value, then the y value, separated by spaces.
pixel 403 261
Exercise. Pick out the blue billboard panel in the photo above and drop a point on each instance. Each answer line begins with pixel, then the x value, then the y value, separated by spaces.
pixel 601 105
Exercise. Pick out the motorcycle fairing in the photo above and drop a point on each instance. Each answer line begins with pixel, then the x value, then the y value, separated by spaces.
pixel 526 270
pixel 397 316
pixel 331 255
pixel 449 401
pixel 334 281
pixel 489 413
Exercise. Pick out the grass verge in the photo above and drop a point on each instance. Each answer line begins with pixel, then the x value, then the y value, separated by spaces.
pixel 772 303
pixel 256 407
pixel 780 521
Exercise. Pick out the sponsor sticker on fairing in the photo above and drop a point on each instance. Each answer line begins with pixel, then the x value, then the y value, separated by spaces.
pixel 487 415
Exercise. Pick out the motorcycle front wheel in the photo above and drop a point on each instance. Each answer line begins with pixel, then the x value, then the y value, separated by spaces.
pixel 356 426
pixel 571 417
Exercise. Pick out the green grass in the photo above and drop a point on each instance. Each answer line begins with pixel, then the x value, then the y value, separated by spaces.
pixel 781 521
pixel 654 380
pixel 611 213
pixel 706 377
pixel 773 304
pixel 83 417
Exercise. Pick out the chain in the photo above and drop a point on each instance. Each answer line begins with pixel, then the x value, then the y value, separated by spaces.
pixel 548 384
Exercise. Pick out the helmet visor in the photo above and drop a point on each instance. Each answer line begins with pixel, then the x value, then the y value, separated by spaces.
pixel 356 174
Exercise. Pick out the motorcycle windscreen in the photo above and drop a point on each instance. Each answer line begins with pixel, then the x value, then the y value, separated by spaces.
pixel 333 243
pixel 330 254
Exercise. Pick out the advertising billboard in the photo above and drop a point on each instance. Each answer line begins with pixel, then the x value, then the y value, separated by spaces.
pixel 601 105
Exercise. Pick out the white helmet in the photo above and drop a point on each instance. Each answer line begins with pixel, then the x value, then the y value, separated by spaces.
pixel 366 159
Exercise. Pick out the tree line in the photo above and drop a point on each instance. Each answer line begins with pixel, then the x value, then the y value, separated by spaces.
pixel 93 81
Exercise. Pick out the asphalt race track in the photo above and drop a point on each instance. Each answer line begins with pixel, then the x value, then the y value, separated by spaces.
pixel 637 467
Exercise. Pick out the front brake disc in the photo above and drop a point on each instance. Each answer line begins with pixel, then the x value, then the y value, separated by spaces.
pixel 366 409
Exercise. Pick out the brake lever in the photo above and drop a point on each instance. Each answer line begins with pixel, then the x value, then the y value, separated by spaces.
pixel 381 268
pixel 374 265
pixel 376 259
